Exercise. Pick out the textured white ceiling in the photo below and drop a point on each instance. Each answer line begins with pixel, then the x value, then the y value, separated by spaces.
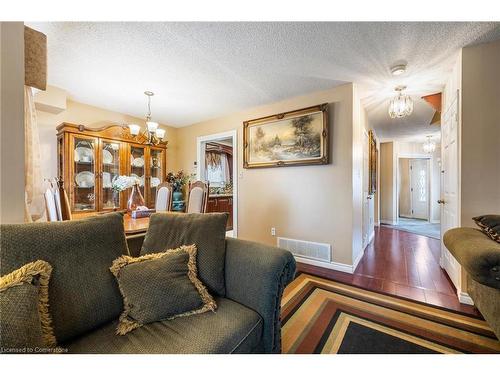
pixel 201 71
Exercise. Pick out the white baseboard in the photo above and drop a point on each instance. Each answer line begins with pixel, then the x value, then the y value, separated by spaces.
pixel 389 222
pixel 372 236
pixel 357 260
pixel 465 298
pixel 342 267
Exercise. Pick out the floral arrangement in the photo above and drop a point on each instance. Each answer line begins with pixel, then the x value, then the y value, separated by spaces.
pixel 179 179
pixel 123 183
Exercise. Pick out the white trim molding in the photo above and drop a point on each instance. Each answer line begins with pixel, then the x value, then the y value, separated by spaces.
pixel 342 267
pixel 465 298
pixel 372 236
pixel 358 259
pixel 389 222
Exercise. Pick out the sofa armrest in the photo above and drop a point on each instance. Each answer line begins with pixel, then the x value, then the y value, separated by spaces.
pixel 477 253
pixel 256 276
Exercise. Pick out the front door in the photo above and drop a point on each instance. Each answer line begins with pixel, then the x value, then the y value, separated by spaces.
pixel 449 185
pixel 419 180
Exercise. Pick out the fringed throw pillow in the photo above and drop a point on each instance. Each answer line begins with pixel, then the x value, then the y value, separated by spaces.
pixel 26 324
pixel 160 286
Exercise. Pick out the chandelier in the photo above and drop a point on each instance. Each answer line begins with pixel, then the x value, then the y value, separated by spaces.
pixel 429 146
pixel 401 105
pixel 152 135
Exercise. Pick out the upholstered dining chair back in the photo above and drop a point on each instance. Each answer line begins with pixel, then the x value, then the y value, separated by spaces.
pixel 51 205
pixel 198 197
pixel 164 197
pixel 57 202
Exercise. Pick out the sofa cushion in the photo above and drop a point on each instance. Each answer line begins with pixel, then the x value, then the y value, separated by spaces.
pixel 233 328
pixel 24 308
pixel 83 293
pixel 160 286
pixel 490 225
pixel 206 231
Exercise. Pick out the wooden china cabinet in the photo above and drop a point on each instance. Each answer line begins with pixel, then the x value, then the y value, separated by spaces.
pixel 89 161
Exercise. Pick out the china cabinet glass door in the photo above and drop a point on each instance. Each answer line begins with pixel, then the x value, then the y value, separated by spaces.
pixel 84 168
pixel 138 166
pixel 155 176
pixel 110 170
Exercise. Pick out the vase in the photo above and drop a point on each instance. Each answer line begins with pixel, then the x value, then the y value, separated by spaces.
pixel 177 195
pixel 135 199
pixel 116 200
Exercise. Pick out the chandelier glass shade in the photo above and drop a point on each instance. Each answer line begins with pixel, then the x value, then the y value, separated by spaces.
pixel 429 146
pixel 401 105
pixel 153 135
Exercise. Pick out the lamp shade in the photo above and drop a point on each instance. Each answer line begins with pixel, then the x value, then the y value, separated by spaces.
pixel 160 133
pixel 429 146
pixel 134 129
pixel 152 126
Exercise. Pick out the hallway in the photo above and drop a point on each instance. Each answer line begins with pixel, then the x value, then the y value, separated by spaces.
pixel 402 264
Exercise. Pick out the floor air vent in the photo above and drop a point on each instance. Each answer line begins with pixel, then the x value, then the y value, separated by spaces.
pixel 307 249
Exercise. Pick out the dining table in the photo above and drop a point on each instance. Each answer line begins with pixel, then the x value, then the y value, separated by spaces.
pixel 134 227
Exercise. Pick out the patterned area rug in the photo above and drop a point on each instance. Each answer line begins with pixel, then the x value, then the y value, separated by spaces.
pixel 324 316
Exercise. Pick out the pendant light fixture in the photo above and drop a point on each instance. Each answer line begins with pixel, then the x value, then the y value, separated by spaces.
pixel 429 146
pixel 152 135
pixel 401 105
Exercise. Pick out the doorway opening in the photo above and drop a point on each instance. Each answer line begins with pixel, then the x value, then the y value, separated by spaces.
pixel 414 196
pixel 414 189
pixel 217 163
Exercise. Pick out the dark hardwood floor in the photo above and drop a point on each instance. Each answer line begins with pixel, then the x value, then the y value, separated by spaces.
pixel 403 264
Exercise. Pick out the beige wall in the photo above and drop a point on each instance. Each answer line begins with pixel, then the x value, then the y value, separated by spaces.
pixel 12 122
pixel 404 187
pixel 480 137
pixel 87 115
pixel 388 212
pixel 359 124
pixel 310 202
pixel 376 198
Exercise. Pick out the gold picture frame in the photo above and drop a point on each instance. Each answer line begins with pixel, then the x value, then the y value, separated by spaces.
pixel 291 138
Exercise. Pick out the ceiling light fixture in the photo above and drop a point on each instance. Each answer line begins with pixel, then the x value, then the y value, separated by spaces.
pixel 153 135
pixel 401 105
pixel 399 69
pixel 429 146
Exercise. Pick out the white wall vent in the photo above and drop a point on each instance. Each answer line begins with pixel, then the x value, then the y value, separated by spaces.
pixel 307 249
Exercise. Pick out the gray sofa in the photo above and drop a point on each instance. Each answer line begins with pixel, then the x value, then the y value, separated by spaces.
pixel 85 301
pixel 480 257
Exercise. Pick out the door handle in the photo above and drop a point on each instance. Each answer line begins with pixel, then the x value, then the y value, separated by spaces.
pixel 440 201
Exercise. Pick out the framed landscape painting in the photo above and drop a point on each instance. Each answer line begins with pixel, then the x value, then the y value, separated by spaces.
pixel 292 138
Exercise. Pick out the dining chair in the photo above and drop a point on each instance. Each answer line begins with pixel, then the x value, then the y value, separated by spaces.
pixel 197 197
pixel 57 202
pixel 50 204
pixel 63 201
pixel 164 197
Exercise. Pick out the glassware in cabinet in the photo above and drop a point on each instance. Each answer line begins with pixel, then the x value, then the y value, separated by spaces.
pixel 84 172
